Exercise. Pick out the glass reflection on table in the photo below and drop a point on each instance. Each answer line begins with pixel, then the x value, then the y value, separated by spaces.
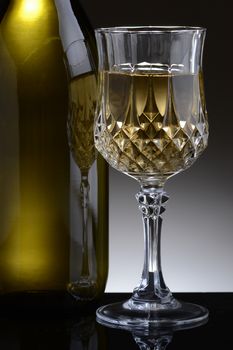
pixel 152 338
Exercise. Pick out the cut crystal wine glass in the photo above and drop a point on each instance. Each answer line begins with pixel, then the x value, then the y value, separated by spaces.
pixel 151 124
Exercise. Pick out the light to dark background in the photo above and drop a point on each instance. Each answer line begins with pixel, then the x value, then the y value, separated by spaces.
pixel 197 237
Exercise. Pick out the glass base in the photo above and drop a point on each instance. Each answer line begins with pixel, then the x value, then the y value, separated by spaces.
pixel 83 289
pixel 132 314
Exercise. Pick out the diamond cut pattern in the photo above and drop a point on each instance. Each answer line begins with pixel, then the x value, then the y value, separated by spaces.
pixel 80 121
pixel 149 142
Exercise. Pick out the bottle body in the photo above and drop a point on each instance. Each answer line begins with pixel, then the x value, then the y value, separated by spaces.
pixel 38 232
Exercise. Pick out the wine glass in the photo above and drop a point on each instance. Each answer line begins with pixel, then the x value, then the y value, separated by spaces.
pixel 151 124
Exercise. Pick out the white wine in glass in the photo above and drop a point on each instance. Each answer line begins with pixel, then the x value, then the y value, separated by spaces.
pixel 155 122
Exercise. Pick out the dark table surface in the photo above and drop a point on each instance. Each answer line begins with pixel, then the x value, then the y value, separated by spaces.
pixel 79 330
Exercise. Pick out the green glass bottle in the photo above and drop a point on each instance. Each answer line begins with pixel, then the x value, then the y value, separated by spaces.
pixel 49 238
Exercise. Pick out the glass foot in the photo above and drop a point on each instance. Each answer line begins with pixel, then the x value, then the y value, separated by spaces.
pixel 132 314
pixel 83 289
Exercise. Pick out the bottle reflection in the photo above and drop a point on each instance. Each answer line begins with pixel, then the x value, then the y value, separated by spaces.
pixel 84 335
pixel 43 334
pixel 80 132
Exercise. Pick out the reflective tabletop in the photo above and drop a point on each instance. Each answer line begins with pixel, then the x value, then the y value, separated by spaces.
pixel 76 329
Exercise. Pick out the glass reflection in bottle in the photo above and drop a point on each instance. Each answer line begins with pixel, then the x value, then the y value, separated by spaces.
pixel 88 194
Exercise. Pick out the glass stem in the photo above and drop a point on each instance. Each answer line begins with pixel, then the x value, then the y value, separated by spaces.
pixel 84 191
pixel 152 287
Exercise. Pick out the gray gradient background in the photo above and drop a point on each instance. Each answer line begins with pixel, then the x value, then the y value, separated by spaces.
pixel 197 239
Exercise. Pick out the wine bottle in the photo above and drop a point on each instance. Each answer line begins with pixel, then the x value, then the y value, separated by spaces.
pixel 49 236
